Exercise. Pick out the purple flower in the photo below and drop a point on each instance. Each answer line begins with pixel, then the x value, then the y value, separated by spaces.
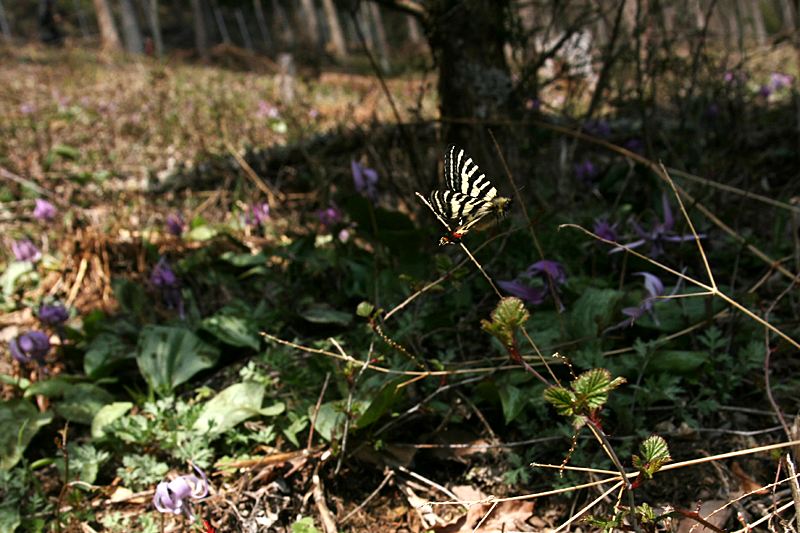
pixel 44 210
pixel 605 230
pixel 53 315
pixel 764 91
pixel 655 290
pixel 162 275
pixel 24 250
pixel 164 279
pixel 170 496
pixel 313 114
pixel 175 224
pixel 551 274
pixel 260 214
pixel 585 171
pixel 658 234
pixel 711 112
pixel 27 108
pixel 534 104
pixel 267 110
pixel 635 145
pixel 365 180
pixel 330 216
pixel 32 346
pixel 344 235
pixel 735 78
pixel 779 81
pixel 598 128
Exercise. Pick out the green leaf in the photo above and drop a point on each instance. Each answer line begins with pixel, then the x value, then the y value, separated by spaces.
pixel 655 449
pixel 507 317
pixel 82 402
pixel 677 361
pixel 513 401
pixel 168 356
pixel 106 415
pixel 13 272
pixel 330 420
pixel 104 352
pixel 381 402
pixel 591 311
pixel 325 314
pixel 244 260
pixel 562 399
pixel 50 388
pixel 233 405
pixel 66 151
pixel 200 233
pixel 365 309
pixel 19 422
pixel 9 516
pixel 233 330
pixel 131 297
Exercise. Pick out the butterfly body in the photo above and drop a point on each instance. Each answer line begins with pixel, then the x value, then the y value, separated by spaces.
pixel 472 202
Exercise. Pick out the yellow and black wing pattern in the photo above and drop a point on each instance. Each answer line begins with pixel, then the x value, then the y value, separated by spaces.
pixel 471 201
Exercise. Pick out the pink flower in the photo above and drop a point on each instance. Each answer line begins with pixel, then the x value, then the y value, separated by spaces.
pixel 44 210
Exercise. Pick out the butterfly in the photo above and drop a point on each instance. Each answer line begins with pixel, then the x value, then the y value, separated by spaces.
pixel 471 203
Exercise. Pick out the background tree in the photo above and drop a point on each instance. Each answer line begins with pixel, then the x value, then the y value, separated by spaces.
pixel 108 30
pixel 130 27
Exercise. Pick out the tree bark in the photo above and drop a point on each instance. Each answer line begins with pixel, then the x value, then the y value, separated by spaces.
pixel 130 27
pixel 200 33
pixel 337 36
pixel 380 35
pixel 311 23
pixel 787 15
pixel 155 29
pixel 108 30
pixel 262 24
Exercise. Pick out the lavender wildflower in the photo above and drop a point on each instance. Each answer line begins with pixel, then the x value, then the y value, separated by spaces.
pixel 365 180
pixel 330 216
pixel 552 275
pixel 260 214
pixel 658 234
pixel 655 289
pixel 164 279
pixel 779 81
pixel 170 496
pixel 585 171
pixel 24 250
pixel 32 346
pixel 605 230
pixel 53 315
pixel 27 108
pixel 175 224
pixel 635 145
pixel 765 91
pixel 598 128
pixel 44 210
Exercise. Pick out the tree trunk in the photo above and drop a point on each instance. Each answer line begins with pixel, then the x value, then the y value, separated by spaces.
pixel 285 25
pixel 130 27
pixel 311 23
pixel 155 29
pixel 414 34
pixel 380 35
pixel 200 33
pixel 337 36
pixel 262 24
pixel 787 15
pixel 474 78
pixel 108 30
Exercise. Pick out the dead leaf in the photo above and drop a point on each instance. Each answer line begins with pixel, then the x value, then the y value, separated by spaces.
pixel 506 516
pixel 747 483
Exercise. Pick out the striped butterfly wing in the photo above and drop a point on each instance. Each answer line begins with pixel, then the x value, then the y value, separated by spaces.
pixel 463 175
pixel 456 207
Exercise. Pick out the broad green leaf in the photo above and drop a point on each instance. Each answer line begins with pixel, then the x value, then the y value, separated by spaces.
pixel 513 401
pixel 19 422
pixel 106 415
pixel 233 405
pixel 200 233
pixel 380 403
pixel 233 330
pixel 325 314
pixel 365 309
pixel 104 352
pixel 22 383
pixel 9 516
pixel 655 448
pixel 511 312
pixel 562 399
pixel 330 420
pixel 82 402
pixel 677 361
pixel 50 388
pixel 589 314
pixel 244 260
pixel 168 356
pixel 13 272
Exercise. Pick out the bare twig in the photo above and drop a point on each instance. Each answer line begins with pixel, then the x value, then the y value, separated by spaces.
pixel 316 411
pixel 374 493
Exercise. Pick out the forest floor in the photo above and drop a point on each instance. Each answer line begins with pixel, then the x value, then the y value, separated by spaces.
pixel 94 134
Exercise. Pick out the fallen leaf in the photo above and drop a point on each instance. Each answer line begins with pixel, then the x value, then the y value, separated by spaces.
pixel 747 483
pixel 506 516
